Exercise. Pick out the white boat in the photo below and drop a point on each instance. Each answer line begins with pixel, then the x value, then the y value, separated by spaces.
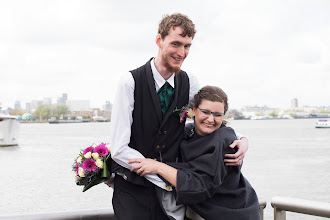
pixel 322 123
pixel 9 130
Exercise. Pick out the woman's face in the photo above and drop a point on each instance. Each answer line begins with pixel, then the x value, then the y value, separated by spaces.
pixel 208 116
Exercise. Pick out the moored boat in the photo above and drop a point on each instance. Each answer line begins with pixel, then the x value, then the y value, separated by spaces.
pixel 322 123
pixel 9 130
pixel 60 121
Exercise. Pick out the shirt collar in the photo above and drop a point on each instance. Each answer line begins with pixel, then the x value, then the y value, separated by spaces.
pixel 159 80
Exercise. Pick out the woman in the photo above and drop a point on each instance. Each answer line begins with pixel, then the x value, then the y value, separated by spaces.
pixel 202 181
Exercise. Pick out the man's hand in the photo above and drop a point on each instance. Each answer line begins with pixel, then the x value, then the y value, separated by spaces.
pixel 237 158
pixel 145 166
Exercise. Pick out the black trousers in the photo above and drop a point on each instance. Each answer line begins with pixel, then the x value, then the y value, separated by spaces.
pixel 135 202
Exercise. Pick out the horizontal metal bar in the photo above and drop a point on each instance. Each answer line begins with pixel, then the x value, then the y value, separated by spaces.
pixel 99 214
pixel 308 207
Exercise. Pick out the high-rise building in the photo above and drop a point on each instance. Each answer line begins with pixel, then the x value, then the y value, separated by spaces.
pixel 63 99
pixel 294 103
pixel 107 106
pixel 28 106
pixel 17 105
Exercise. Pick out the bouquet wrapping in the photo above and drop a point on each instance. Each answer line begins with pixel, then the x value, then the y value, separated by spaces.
pixel 92 166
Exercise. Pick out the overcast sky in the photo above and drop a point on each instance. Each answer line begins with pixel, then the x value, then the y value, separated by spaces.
pixel 259 52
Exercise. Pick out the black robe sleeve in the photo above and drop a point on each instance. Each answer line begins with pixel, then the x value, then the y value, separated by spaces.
pixel 205 170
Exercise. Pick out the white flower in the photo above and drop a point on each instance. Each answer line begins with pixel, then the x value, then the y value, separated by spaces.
pixel 94 145
pixel 190 113
pixel 108 146
pixel 79 159
pixel 81 172
pixel 99 163
pixel 95 156
pixel 88 155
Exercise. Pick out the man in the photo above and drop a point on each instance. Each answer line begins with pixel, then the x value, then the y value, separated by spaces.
pixel 143 123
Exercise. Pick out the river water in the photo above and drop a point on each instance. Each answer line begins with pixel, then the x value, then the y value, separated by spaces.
pixel 285 158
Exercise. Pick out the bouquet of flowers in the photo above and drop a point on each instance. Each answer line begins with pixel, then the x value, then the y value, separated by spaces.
pixel 92 166
pixel 183 112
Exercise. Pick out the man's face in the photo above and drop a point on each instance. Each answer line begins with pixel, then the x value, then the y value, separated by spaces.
pixel 174 49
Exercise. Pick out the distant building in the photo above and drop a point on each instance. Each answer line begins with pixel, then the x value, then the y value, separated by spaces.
pixel 255 108
pixel 60 100
pixel 63 99
pixel 294 103
pixel 107 106
pixel 17 105
pixel 35 104
pixel 47 101
pixel 9 110
pixel 28 107
pixel 78 105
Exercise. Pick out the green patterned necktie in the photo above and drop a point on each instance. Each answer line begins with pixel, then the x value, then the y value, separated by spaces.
pixel 165 96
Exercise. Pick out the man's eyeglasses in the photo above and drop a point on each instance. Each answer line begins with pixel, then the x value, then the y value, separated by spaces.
pixel 207 113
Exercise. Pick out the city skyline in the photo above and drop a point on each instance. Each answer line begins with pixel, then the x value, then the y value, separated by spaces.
pixel 258 52
pixel 292 103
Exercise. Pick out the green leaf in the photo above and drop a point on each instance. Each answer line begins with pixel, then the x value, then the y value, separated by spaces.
pixel 103 176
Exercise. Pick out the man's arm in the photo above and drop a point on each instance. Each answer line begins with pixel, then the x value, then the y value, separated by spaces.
pixel 194 87
pixel 120 130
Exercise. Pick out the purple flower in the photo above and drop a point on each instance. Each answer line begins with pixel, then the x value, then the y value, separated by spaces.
pixel 102 150
pixel 184 115
pixel 89 164
pixel 77 168
pixel 88 149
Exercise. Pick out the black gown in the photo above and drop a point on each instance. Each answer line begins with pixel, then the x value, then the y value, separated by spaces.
pixel 209 187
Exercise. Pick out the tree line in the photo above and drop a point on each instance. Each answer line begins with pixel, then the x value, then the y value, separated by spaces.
pixel 45 112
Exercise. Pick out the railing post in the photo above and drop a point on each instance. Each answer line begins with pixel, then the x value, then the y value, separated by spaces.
pixel 262 206
pixel 279 214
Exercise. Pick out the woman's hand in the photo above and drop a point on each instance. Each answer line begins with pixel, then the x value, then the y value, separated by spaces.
pixel 145 166
pixel 237 158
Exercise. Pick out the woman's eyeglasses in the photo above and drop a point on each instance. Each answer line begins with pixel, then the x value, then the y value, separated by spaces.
pixel 207 113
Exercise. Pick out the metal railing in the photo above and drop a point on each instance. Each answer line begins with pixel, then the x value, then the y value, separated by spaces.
pixel 283 204
pixel 99 214
pixel 280 204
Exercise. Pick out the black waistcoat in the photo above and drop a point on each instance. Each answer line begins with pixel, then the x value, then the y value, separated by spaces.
pixel 155 137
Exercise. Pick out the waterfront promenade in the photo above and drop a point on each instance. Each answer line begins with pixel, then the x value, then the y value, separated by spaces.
pixel 286 158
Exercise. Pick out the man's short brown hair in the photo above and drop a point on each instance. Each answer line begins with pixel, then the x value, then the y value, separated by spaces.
pixel 176 20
